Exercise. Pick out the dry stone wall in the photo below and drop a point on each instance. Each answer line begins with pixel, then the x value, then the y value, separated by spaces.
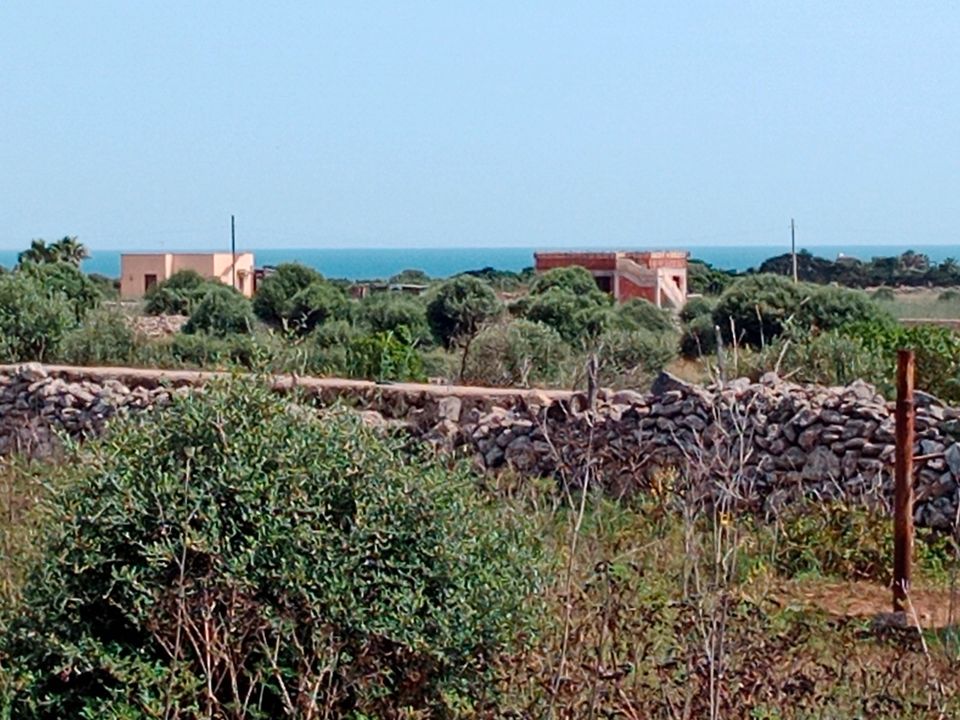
pixel 768 442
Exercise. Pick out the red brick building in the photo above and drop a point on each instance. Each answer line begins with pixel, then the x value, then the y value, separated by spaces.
pixel 657 276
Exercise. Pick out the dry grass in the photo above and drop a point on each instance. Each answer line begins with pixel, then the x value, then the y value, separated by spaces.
pixel 924 303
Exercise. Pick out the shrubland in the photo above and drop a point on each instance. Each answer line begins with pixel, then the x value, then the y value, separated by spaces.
pixel 237 555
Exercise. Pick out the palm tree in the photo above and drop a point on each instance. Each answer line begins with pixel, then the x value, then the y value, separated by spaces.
pixel 38 252
pixel 69 250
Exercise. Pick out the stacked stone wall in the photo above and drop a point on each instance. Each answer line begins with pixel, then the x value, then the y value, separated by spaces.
pixel 770 441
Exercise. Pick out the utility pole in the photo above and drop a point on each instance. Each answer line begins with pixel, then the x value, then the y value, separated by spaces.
pixel 793 248
pixel 233 253
pixel 903 478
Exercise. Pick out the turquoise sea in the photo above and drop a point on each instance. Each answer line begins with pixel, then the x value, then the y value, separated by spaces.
pixel 378 263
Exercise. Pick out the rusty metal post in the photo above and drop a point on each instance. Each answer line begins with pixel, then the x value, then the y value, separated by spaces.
pixel 903 499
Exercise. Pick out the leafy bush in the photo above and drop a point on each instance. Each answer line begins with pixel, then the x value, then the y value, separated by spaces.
pixel 388 312
pixel 517 353
pixel 639 314
pixel 577 317
pixel 232 556
pixel 410 276
pixel 574 279
pixel 384 356
pixel 704 279
pixel 884 294
pixel 831 308
pixel 222 311
pixel 314 305
pixel 458 308
pixel 67 280
pixel 697 307
pixel 937 352
pixel 948 296
pixel 204 351
pixel 698 337
pixel 33 318
pixel 273 302
pixel 178 294
pixel 104 338
pixel 761 307
pixel 629 359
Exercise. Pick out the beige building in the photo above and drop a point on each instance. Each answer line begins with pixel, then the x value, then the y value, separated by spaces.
pixel 141 271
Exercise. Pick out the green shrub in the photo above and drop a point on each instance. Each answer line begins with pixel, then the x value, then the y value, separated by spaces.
pixel 67 280
pixel 314 305
pixel 177 295
pixel 203 351
pixel 948 296
pixel 577 317
pixel 762 307
pixel 639 314
pixel 104 338
pixel 273 302
pixel 33 318
pixel 937 352
pixel 222 311
pixel 383 357
pixel 517 353
pixel 388 312
pixel 108 287
pixel 458 308
pixel 698 337
pixel 704 279
pixel 884 294
pixel 230 551
pixel 630 359
pixel 574 279
pixel 831 308
pixel 697 307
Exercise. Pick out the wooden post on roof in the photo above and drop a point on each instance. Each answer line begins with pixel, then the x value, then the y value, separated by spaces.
pixel 903 470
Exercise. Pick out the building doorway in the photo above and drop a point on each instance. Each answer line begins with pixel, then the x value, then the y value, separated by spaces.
pixel 149 281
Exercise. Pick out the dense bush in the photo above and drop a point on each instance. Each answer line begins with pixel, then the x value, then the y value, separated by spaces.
pixel 698 337
pixel 937 352
pixel 201 350
pixel 273 302
pixel 516 353
pixel 761 307
pixel 104 338
pixel 458 308
pixel 231 556
pixel 697 307
pixel 704 279
pixel 574 279
pixel 384 356
pixel 630 358
pixel 316 304
pixel 177 295
pixel 222 311
pixel 67 280
pixel 639 314
pixel 577 317
pixel 388 312
pixel 33 319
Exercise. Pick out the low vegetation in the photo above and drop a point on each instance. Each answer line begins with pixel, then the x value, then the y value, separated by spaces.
pixel 235 555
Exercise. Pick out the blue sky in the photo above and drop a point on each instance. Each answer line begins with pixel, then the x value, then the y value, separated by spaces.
pixel 139 124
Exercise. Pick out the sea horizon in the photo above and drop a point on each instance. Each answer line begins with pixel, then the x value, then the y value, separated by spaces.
pixel 371 263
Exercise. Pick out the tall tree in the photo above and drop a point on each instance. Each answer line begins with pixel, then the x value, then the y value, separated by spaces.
pixel 68 249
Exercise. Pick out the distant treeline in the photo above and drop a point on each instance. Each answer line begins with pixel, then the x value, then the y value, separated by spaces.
pixel 910 268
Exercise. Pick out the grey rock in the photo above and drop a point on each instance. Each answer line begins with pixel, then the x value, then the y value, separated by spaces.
pixel 952 457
